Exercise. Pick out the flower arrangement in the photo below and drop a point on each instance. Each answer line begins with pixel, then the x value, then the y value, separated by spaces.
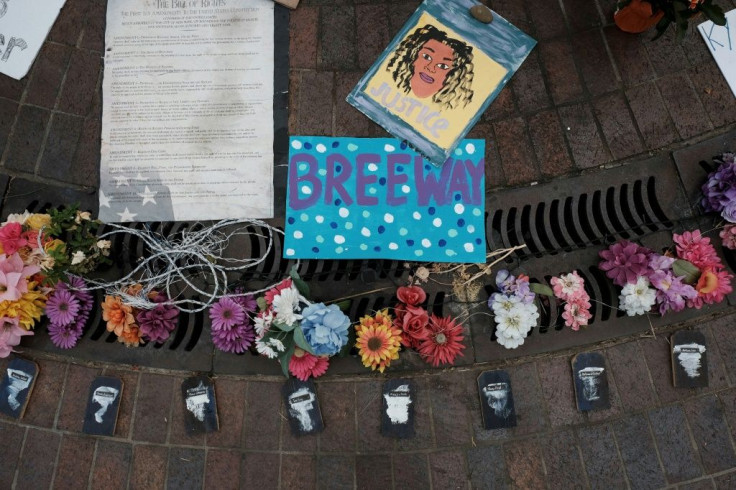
pixel 639 15
pixel 691 276
pixel 719 195
pixel 134 326
pixel 514 310
pixel 570 288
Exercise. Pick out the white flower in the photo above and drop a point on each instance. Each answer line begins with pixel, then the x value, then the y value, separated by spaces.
pixel 82 216
pixel 516 322
pixel 286 305
pixel 78 257
pixel 103 244
pixel 509 342
pixel 262 323
pixel 265 349
pixel 17 218
pixel 277 344
pixel 638 298
pixel 504 302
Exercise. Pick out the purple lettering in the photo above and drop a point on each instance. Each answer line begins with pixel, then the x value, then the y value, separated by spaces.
pixel 459 182
pixel 476 177
pixel 362 180
pixel 335 180
pixel 393 179
pixel 295 179
pixel 428 185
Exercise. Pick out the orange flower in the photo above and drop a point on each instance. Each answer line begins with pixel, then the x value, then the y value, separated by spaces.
pixel 117 315
pixel 130 336
pixel 381 318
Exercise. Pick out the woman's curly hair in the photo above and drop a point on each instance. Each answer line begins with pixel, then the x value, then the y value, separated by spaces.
pixel 457 87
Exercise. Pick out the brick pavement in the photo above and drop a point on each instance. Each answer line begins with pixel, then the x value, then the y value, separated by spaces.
pixel 587 96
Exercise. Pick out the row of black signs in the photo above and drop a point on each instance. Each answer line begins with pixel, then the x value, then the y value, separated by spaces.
pixel 689 368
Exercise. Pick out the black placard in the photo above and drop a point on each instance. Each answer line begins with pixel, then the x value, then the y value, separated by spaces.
pixel 496 400
pixel 397 408
pixel 689 359
pixel 103 404
pixel 591 381
pixel 16 387
pixel 302 407
pixel 200 405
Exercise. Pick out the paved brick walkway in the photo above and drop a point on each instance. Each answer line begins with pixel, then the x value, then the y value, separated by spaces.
pixel 587 96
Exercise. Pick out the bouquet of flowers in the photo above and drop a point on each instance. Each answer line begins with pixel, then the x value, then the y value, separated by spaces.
pixel 570 288
pixel 132 325
pixel 693 277
pixel 719 195
pixel 514 309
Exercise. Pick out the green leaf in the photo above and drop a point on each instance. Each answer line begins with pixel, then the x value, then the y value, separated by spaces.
pixel 301 286
pixel 344 305
pixel 714 13
pixel 262 305
pixel 285 357
pixel 284 327
pixel 541 289
pixel 684 268
pixel 301 341
pixel 345 351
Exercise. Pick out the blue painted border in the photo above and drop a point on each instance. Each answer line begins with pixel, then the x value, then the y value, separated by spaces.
pixel 499 40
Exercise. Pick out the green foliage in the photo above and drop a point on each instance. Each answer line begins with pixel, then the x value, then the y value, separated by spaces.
pixel 679 13
pixel 684 268
pixel 539 288
pixel 301 286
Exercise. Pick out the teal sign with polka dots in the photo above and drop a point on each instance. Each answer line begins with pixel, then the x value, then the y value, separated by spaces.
pixel 361 198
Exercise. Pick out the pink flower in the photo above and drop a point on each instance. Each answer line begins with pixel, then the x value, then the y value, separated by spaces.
pixel 624 261
pixel 411 295
pixel 11 238
pixel 567 286
pixel 577 314
pixel 697 249
pixel 728 235
pixel 712 288
pixel 276 290
pixel 10 335
pixel 304 365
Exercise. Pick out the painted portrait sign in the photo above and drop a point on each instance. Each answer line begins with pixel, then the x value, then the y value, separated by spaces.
pixel 360 198
pixel 439 74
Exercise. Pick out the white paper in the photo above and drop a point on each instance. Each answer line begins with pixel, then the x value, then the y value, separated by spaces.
pixel 721 40
pixel 24 25
pixel 187 124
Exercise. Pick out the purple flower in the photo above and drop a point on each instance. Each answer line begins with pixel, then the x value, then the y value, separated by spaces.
pixel 157 324
pixel 247 302
pixel 236 339
pixel 659 262
pixel 671 291
pixel 729 212
pixel 62 308
pixel 513 285
pixel 64 337
pixel 720 188
pixel 624 261
pixel 226 314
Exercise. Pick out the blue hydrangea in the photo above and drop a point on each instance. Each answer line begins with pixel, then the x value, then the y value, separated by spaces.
pixel 326 328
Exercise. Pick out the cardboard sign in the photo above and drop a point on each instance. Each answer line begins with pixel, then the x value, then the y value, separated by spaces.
pixel 496 400
pixel 200 405
pixel 302 407
pixel 689 359
pixel 359 198
pixel 721 41
pixel 16 387
pixel 103 404
pixel 397 413
pixel 439 74
pixel 591 381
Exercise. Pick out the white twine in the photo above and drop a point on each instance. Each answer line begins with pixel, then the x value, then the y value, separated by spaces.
pixel 197 252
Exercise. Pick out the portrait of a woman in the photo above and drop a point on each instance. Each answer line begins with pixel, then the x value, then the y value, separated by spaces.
pixel 429 63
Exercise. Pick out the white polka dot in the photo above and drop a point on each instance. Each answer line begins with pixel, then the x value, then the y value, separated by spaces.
pixel 372 190
pixel 450 253
pixel 459 208
pixel 366 213
pixel 437 222
pixel 388 218
pixel 322 172
pixel 363 246
pixel 452 233
pixel 304 217
pixel 458 151
pixel 344 212
pixel 320 148
pixel 468 247
pixel 403 232
pixel 296 144
pixel 319 218
pixel 320 239
pixel 352 146
pixel 298 234
pixel 470 148
pixel 306 189
pixel 388 148
pixel 405 189
pixel 393 246
pixel 365 232
pixel 418 253
pixel 476 212
pixel 416 215
pixel 339 239
pixel 471 229
pixel 303 166
pixel 290 252
pixel 426 243
pixel 339 250
pixel 372 167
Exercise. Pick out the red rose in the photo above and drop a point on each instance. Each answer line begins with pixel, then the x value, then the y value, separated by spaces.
pixel 11 239
pixel 414 326
pixel 411 295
